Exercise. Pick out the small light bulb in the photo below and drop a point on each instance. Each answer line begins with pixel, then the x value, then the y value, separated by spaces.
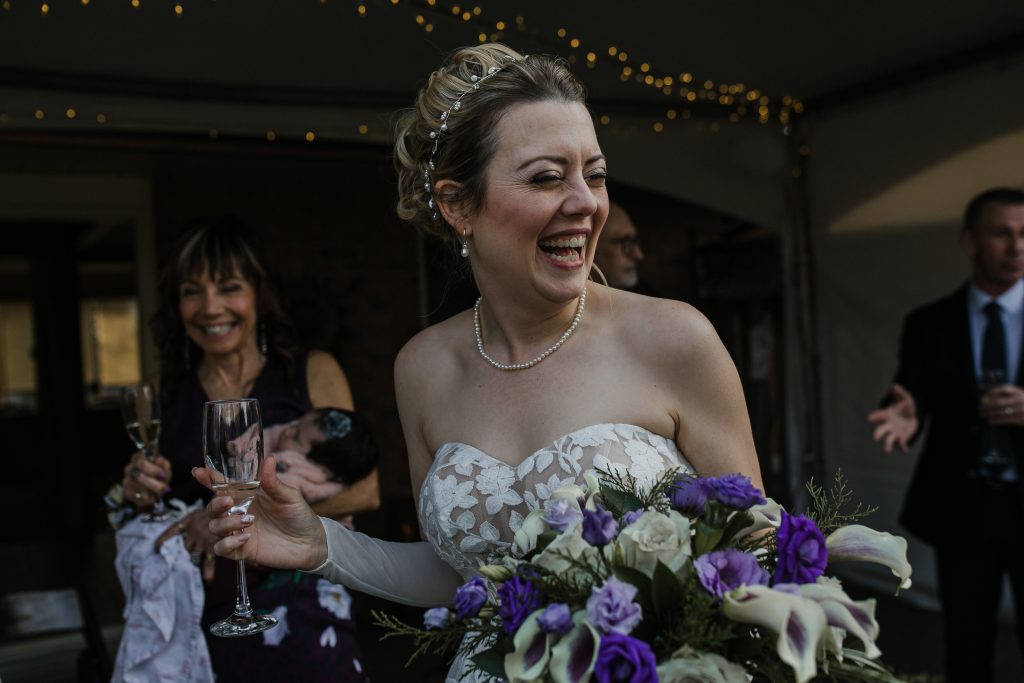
pixel 39 114
pixel 70 113
pixel 101 118
pixel 364 129
pixel 271 136
pixel 310 136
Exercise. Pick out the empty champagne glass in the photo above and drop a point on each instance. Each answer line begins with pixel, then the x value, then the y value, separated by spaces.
pixel 233 452
pixel 140 408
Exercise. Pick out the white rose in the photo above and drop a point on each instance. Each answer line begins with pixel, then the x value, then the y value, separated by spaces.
pixel 656 536
pixel 701 668
pixel 569 543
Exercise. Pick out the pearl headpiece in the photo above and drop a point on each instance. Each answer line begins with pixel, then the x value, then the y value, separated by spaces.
pixel 435 135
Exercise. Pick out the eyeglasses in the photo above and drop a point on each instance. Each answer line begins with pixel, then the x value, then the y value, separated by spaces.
pixel 628 244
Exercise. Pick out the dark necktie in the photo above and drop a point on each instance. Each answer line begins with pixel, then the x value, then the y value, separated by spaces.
pixel 993 344
pixel 995 443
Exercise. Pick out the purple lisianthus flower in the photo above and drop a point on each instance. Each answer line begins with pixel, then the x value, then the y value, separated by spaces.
pixel 518 599
pixel 625 659
pixel 470 597
pixel 556 619
pixel 631 517
pixel 560 514
pixel 723 570
pixel 735 491
pixel 611 609
pixel 688 495
pixel 435 618
pixel 801 550
pixel 599 527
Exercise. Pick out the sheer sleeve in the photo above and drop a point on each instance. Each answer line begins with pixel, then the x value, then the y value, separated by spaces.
pixel 408 573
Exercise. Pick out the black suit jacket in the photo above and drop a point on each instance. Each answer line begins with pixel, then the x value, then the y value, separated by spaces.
pixel 937 367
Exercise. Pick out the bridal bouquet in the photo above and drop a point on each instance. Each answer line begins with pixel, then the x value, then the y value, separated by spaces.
pixel 695 579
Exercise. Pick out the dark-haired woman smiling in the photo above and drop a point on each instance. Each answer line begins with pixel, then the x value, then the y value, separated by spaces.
pixel 222 334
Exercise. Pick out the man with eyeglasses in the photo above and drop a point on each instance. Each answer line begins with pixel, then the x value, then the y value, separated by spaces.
pixel 618 250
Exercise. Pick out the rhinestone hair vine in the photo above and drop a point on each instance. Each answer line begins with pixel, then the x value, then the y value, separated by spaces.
pixel 435 135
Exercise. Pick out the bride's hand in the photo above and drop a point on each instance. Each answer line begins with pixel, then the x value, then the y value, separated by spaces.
pixel 280 529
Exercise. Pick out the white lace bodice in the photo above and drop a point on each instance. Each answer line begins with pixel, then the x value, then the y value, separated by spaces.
pixel 472 504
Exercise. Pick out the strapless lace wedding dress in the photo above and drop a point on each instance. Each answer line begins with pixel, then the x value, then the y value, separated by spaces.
pixel 471 504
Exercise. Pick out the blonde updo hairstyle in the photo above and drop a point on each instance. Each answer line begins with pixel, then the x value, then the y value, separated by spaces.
pixel 466 147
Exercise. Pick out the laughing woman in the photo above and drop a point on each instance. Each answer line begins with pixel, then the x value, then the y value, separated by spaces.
pixel 549 376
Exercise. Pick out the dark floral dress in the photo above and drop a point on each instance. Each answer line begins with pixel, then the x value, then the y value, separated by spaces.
pixel 315 640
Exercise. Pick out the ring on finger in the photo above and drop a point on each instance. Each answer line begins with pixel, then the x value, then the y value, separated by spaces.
pixel 134 473
pixel 138 495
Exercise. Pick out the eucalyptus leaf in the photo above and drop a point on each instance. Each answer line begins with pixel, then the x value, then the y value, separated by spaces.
pixel 666 591
pixel 491 661
pixel 619 501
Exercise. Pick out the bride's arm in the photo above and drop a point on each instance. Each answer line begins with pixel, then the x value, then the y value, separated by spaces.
pixel 710 411
pixel 410 573
pixel 281 531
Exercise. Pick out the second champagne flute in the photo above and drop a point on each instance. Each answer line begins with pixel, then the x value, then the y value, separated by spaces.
pixel 140 408
pixel 233 452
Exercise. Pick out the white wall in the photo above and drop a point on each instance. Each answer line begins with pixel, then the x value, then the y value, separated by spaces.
pixel 888 182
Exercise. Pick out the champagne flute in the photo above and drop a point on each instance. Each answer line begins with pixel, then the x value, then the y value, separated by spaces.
pixel 994 457
pixel 233 452
pixel 140 409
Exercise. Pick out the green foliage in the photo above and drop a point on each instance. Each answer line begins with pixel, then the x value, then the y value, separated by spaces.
pixel 621 494
pixel 453 638
pixel 831 509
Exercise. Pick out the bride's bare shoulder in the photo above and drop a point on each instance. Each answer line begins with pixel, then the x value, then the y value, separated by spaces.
pixel 433 349
pixel 653 323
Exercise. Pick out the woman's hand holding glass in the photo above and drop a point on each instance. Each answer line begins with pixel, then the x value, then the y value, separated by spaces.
pixel 280 529
pixel 145 481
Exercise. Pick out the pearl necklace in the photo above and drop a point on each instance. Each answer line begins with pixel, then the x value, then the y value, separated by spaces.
pixel 530 363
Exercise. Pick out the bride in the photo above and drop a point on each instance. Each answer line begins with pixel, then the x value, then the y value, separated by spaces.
pixel 547 377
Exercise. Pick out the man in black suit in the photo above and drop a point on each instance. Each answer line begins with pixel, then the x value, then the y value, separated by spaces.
pixel 959 378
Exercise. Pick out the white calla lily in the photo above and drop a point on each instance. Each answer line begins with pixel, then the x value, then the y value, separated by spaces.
pixel 852 616
pixel 570 492
pixel 798 622
pixel 532 651
pixel 766 516
pixel 533 526
pixel 857 542
pixel 573 658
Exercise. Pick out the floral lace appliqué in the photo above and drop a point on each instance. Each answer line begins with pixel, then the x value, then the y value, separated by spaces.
pixel 471 503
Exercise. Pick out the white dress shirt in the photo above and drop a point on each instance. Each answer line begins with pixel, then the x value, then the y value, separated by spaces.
pixel 1012 304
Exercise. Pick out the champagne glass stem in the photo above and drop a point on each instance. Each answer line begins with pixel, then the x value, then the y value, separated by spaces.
pixel 159 508
pixel 242 607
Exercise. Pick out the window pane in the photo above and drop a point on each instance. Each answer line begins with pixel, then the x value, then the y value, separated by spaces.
pixel 17 362
pixel 110 346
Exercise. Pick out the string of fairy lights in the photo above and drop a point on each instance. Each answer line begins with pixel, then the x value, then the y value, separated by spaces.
pixel 685 95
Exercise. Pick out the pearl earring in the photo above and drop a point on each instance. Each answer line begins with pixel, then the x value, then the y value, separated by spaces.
pixel 465 245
